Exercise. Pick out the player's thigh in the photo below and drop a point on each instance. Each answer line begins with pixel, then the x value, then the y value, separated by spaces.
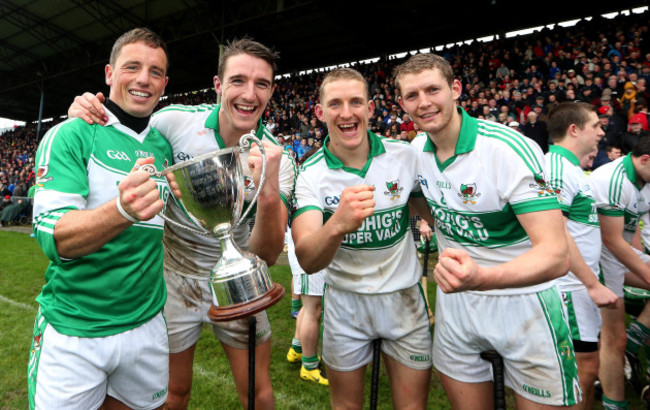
pixel 476 396
pixel 235 333
pixel 409 387
pixel 468 323
pixel 346 388
pixel 347 331
pixel 186 308
pixel 67 372
pixel 142 376
pixel 402 323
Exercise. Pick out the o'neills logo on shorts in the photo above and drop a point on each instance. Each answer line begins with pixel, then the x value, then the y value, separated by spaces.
pixel 419 358
pixel 159 394
pixel 536 391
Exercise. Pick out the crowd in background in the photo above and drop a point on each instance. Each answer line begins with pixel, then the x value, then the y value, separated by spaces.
pixel 515 81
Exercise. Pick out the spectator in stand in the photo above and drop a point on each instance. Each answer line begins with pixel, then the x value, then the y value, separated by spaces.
pixel 302 148
pixel 536 130
pixel 612 137
pixel 408 126
pixel 631 138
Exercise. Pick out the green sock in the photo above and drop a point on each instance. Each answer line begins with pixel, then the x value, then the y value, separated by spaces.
pixel 637 335
pixel 296 304
pixel 310 362
pixel 295 343
pixel 609 404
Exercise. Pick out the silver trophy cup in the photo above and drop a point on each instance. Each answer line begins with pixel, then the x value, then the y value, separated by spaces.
pixel 212 198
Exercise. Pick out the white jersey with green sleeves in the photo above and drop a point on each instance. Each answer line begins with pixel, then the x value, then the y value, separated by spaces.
pixel 193 130
pixel 475 195
pixel 120 286
pixel 380 256
pixel 577 203
pixel 617 193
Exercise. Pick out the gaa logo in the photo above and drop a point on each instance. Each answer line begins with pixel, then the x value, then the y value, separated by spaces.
pixel 332 200
pixel 117 155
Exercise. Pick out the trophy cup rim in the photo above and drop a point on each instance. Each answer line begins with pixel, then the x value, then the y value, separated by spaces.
pixel 198 159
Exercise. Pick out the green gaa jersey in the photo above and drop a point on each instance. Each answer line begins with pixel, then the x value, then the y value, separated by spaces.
pixel 475 195
pixel 380 256
pixel 192 131
pixel 577 203
pixel 618 192
pixel 120 286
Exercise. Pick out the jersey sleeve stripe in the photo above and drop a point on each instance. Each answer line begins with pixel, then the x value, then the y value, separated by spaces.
pixel 616 185
pixel 305 209
pixel 556 170
pixel 516 142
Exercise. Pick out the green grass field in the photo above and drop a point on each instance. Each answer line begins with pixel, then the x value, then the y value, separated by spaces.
pixel 22 267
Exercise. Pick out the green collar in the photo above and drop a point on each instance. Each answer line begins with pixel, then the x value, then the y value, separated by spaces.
pixel 376 148
pixel 630 171
pixel 565 153
pixel 466 139
pixel 212 122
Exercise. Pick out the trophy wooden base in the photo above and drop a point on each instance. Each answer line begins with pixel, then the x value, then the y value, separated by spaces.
pixel 227 313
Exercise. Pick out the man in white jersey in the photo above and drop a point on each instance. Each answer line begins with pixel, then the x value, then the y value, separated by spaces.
pixel 245 83
pixel 352 218
pixel 100 337
pixel 502 241
pixel 304 346
pixel 575 131
pixel 622 196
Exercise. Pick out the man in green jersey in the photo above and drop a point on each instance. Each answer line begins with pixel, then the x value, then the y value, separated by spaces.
pixel 99 337
pixel 245 82
pixel 575 130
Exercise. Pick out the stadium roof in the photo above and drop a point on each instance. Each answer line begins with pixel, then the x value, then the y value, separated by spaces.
pixel 61 46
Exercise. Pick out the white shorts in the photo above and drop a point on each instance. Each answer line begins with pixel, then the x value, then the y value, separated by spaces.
pixel 351 321
pixel 78 372
pixel 311 285
pixel 529 331
pixel 583 315
pixel 186 309
pixel 613 271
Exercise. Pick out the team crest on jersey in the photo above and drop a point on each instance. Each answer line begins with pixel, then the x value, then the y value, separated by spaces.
pixel 566 350
pixel 41 175
pixel 37 342
pixel 468 193
pixel 393 189
pixel 542 187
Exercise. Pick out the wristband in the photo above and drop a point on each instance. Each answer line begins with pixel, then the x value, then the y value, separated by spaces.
pixel 124 213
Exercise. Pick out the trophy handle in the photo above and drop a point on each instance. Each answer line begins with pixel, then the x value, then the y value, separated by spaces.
pixel 245 143
pixel 151 169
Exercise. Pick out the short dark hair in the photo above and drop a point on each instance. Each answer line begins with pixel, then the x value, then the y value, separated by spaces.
pixel 421 62
pixel 136 35
pixel 642 147
pixel 251 47
pixel 567 113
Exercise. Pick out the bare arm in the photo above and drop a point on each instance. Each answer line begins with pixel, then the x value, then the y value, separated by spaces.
pixel 611 228
pixel 267 237
pixel 421 207
pixel 82 232
pixel 599 293
pixel 547 259
pixel 317 243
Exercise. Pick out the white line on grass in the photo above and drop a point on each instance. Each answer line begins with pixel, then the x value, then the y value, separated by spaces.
pixel 18 304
